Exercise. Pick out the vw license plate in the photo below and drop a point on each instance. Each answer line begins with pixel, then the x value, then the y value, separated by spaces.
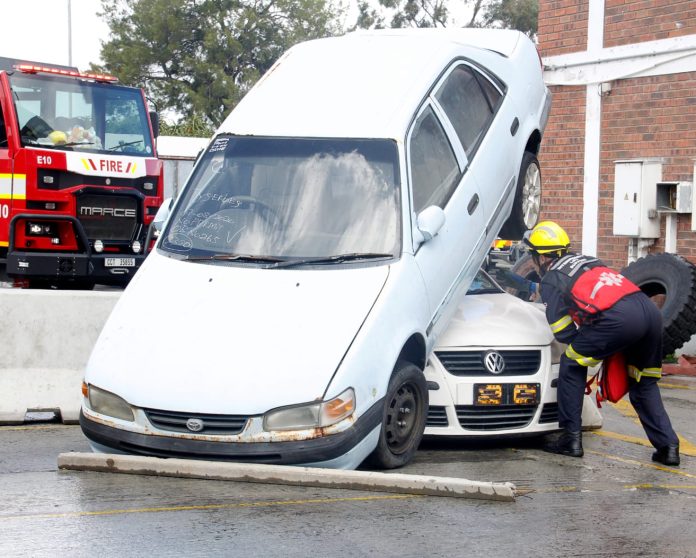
pixel 506 394
pixel 119 262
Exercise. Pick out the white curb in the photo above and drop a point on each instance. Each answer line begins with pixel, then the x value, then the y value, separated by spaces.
pixel 284 474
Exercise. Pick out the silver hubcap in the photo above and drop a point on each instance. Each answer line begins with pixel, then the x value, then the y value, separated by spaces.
pixel 531 195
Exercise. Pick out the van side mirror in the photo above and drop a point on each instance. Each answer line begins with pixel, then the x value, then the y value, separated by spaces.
pixel 154 121
pixel 155 229
pixel 162 213
pixel 429 222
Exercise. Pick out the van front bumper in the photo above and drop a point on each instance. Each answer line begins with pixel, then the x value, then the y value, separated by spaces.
pixel 309 451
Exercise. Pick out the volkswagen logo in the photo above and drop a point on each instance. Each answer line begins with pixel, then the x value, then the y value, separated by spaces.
pixel 494 362
pixel 194 424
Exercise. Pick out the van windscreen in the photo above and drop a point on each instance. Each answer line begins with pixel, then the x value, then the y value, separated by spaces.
pixel 287 198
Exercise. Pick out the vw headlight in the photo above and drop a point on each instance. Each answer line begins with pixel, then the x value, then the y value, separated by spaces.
pixel 106 403
pixel 311 415
pixel 557 350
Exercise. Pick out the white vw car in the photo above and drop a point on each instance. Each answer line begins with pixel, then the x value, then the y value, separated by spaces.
pixel 495 369
pixel 319 249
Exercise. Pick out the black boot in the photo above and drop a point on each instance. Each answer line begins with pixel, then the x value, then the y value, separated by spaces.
pixel 568 443
pixel 669 455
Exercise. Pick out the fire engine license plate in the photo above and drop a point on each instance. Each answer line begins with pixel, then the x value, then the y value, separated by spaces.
pixel 119 262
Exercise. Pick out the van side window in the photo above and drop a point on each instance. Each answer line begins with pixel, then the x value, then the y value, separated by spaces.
pixel 469 108
pixel 3 133
pixel 434 169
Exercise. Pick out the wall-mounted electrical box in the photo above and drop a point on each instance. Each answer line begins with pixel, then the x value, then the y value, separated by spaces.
pixel 635 197
pixel 674 197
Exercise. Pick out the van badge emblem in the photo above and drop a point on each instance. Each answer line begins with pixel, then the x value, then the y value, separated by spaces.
pixel 194 424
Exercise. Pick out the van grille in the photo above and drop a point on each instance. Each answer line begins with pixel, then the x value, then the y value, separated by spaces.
pixel 222 425
pixel 470 363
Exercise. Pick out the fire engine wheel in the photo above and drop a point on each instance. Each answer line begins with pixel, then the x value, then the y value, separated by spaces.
pixel 527 203
pixel 670 282
pixel 403 420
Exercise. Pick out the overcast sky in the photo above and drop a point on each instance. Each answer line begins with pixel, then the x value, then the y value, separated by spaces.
pixel 37 30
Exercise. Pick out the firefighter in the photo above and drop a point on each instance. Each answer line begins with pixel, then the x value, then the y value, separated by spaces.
pixel 597 312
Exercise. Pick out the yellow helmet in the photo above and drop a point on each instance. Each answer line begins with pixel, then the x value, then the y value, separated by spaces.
pixel 547 237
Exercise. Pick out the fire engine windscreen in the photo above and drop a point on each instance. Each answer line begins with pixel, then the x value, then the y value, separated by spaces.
pixel 286 198
pixel 66 113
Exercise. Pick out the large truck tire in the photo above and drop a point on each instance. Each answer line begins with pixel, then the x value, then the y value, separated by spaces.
pixel 670 282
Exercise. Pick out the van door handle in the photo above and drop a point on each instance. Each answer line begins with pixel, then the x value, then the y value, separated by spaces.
pixel 515 126
pixel 473 204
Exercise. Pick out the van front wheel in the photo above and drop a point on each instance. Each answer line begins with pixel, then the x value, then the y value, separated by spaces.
pixel 403 420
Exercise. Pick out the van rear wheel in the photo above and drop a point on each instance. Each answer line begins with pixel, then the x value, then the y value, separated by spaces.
pixel 403 420
pixel 526 206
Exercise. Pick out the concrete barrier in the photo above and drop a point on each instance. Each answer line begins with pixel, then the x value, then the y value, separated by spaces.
pixel 45 340
pixel 285 474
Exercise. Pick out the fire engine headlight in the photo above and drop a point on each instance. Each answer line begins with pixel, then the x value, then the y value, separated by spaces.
pixel 98 246
pixel 313 415
pixel 106 403
pixel 38 228
pixel 557 349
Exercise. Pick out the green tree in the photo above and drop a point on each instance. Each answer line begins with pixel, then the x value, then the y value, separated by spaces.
pixel 506 14
pixel 199 57
pixel 513 14
pixel 193 126
pixel 402 13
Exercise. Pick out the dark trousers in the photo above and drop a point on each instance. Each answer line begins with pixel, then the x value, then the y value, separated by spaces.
pixel 632 326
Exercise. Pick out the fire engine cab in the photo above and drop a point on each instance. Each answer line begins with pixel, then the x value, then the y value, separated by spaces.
pixel 80 182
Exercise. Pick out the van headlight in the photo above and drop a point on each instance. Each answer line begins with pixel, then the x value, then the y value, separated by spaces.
pixel 106 403
pixel 311 415
pixel 557 350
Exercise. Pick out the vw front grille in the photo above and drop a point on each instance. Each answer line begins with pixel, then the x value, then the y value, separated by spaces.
pixel 471 363
pixel 498 417
pixel 437 416
pixel 549 413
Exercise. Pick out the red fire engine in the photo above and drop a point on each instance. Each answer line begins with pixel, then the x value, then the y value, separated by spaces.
pixel 80 181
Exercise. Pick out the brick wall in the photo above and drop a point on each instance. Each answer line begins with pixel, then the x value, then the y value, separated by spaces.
pixel 641 117
pixel 562 26
pixel 561 159
pixel 631 21
pixel 648 117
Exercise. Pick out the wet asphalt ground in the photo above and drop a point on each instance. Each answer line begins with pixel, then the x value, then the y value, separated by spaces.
pixel 613 502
